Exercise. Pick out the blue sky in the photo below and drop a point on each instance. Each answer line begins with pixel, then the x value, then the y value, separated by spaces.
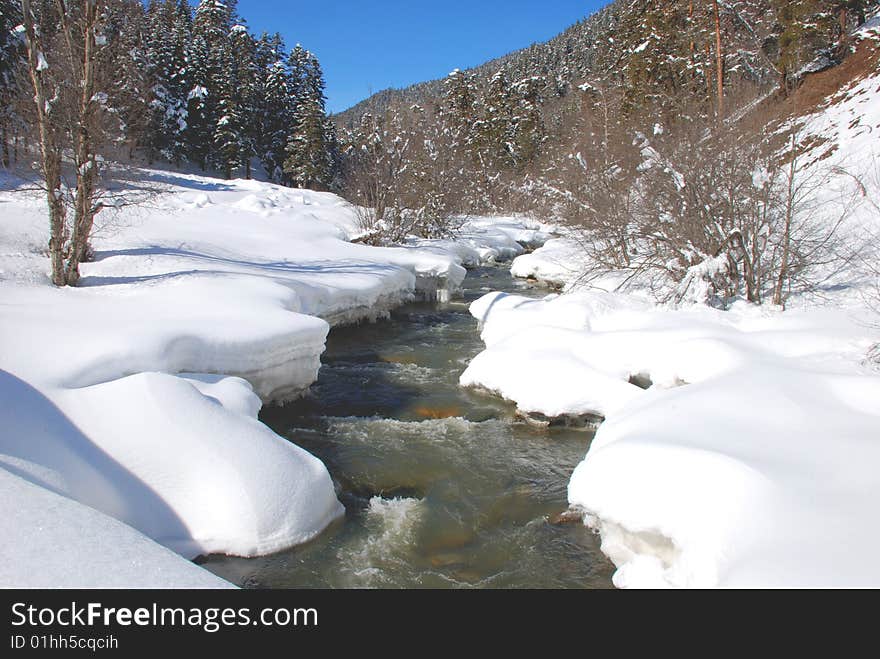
pixel 367 46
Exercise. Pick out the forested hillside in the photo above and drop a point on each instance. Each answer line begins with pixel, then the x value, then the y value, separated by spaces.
pixel 627 126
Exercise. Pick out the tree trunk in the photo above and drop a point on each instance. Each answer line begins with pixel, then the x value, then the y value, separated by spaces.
pixel 691 29
pixel 719 65
pixel 50 153
pixel 778 298
pixel 709 75
pixel 4 136
pixel 843 40
pixel 86 172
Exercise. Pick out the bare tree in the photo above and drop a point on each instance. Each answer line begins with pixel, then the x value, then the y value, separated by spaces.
pixel 399 178
pixel 64 73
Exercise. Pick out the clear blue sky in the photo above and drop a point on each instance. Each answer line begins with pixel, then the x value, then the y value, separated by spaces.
pixel 369 45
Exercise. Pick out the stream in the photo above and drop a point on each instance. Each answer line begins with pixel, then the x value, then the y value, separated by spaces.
pixel 443 487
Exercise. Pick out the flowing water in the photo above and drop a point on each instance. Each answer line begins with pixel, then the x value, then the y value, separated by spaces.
pixel 442 486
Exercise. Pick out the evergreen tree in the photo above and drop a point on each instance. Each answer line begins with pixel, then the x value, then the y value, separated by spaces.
pixel 10 59
pixel 272 105
pixel 310 148
pixel 233 140
pixel 298 74
pixel 527 127
pixel 169 25
pixel 206 59
pixel 459 109
pixel 493 129
pixel 125 33
pixel 805 32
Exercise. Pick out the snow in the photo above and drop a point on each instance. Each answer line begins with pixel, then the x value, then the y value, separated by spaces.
pixel 486 240
pixel 748 462
pixel 556 262
pixel 62 544
pixel 135 395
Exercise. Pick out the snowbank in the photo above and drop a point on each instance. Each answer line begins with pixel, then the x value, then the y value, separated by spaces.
pixel 765 477
pixel 489 240
pixel 59 543
pixel 747 462
pixel 558 262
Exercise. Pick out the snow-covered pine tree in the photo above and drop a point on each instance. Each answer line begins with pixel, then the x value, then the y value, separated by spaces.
pixel 492 131
pixel 298 73
pixel 459 110
pixel 168 34
pixel 527 126
pixel 272 114
pixel 310 148
pixel 206 58
pixel 10 61
pixel 127 58
pixel 233 138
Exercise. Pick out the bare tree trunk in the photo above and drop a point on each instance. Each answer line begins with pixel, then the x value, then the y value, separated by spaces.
pixel 843 40
pixel 4 136
pixel 778 298
pixel 691 29
pixel 709 75
pixel 50 151
pixel 86 173
pixel 719 64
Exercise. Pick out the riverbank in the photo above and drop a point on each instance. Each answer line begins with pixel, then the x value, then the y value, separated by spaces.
pixel 738 448
pixel 137 393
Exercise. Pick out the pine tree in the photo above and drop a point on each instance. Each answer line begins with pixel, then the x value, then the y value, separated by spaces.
pixel 459 110
pixel 169 25
pixel 298 74
pixel 272 111
pixel 233 140
pixel 527 127
pixel 805 32
pixel 125 32
pixel 10 60
pixel 493 129
pixel 310 148
pixel 207 59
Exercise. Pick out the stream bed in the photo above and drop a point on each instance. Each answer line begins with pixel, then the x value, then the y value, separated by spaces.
pixel 443 487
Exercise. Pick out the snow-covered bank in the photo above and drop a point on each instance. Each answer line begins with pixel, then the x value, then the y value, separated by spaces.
pixel 750 458
pixel 557 263
pixel 486 240
pixel 137 393
pixel 738 447
pixel 748 462
pixel 60 543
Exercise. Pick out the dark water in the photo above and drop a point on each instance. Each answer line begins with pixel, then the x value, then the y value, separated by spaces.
pixel 443 487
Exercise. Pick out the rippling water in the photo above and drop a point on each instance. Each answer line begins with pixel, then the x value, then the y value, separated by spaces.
pixel 443 487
